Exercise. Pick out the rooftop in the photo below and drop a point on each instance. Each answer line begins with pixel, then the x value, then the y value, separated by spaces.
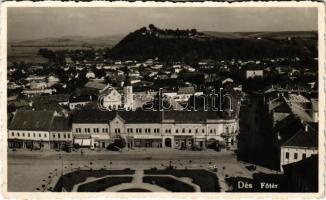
pixel 303 139
pixel 97 116
pixel 60 124
pixel 32 120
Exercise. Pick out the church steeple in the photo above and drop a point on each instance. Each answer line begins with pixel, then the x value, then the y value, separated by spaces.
pixel 128 94
pixel 127 81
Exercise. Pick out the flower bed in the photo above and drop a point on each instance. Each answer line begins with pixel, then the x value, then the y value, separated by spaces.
pixel 168 183
pixel 102 184
pixel 67 181
pixel 207 181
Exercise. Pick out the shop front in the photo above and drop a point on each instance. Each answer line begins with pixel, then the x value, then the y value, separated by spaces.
pixel 183 142
pixel 147 141
pixel 82 140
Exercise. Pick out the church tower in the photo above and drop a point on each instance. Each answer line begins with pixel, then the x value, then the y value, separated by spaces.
pixel 128 99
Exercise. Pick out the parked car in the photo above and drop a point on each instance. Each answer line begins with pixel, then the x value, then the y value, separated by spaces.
pixel 196 148
pixel 112 147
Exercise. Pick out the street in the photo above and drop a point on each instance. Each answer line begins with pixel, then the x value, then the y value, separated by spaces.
pixel 28 170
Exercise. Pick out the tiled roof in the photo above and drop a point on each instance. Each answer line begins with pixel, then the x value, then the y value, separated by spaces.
pixel 60 124
pixel 92 116
pixel 95 85
pixel 283 108
pixel 32 120
pixel 287 127
pixel 140 116
pixel 190 116
pixel 303 139
pixel 186 90
pixel 98 116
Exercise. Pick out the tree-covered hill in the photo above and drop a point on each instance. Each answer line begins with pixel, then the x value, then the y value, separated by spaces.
pixel 185 45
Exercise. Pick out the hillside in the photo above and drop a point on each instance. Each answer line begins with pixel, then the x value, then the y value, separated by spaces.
pixel 186 45
pixel 72 41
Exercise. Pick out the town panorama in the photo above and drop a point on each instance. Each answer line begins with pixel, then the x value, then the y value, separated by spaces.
pixel 160 108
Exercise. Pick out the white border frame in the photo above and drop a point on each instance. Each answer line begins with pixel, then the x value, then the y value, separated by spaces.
pixel 47 195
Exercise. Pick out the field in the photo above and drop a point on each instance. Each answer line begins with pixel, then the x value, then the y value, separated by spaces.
pixel 29 54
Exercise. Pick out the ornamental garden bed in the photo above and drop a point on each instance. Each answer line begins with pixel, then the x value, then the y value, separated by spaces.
pixel 134 190
pixel 168 183
pixel 207 181
pixel 102 184
pixel 67 181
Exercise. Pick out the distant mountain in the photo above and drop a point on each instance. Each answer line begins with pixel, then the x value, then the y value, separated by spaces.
pixel 104 41
pixel 150 42
pixel 266 35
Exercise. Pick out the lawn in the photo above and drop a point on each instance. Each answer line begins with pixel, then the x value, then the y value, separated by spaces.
pixel 101 184
pixel 68 181
pixel 168 183
pixel 207 181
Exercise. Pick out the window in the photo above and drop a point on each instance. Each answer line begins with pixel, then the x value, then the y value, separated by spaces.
pixel 89 130
pixel 59 135
pixel 68 135
pixel 85 130
pixel 183 130
pixel 94 130
pixel 189 130
pixel 45 135
pixel 33 134
pixel 176 130
pixel 295 156
pixel 39 135
pixel 149 130
pixel 12 134
pixel 287 155
pixel 23 134
pixel 140 130
pixel 54 135
pixel 158 130
pixel 145 130
pixel 79 130
pixel 203 130
pixel 18 134
pixel 211 131
pixel 304 156
pixel 196 131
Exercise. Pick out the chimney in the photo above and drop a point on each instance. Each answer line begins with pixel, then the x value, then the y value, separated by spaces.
pixel 306 127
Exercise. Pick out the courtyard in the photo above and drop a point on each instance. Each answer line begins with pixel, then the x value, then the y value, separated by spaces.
pixel 131 170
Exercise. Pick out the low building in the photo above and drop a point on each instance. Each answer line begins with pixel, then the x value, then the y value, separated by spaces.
pixel 79 101
pixel 30 129
pixel 302 145
pixel 60 133
pixel 302 176
pixel 253 72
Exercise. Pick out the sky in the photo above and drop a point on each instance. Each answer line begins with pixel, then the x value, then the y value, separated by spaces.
pixel 37 23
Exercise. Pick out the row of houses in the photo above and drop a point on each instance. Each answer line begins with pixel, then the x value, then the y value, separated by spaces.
pixel 294 123
pixel 96 128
